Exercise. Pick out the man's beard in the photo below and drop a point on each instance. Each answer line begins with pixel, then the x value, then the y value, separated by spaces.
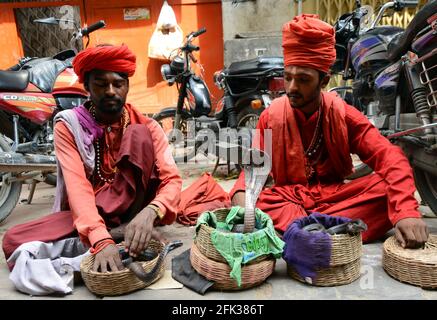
pixel 302 101
pixel 110 106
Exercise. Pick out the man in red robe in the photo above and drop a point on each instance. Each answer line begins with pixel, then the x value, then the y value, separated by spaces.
pixel 314 133
pixel 115 168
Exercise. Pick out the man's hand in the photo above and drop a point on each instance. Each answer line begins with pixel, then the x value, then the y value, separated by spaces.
pixel 239 199
pixel 139 231
pixel 411 232
pixel 108 255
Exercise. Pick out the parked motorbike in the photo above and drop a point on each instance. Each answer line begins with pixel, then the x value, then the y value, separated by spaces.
pixel 248 88
pixel 394 82
pixel 31 93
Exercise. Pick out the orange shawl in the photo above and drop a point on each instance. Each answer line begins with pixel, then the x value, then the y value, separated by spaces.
pixel 288 162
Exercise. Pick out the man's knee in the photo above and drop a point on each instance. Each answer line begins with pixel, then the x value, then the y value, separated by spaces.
pixel 10 241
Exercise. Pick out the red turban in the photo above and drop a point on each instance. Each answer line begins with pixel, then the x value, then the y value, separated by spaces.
pixel 309 42
pixel 108 58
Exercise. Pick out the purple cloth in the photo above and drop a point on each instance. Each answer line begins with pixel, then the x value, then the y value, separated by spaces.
pixel 309 251
pixel 89 125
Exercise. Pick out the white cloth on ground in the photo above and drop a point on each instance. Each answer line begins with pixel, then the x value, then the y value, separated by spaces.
pixel 47 268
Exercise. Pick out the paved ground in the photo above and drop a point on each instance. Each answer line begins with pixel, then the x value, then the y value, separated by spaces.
pixel 374 283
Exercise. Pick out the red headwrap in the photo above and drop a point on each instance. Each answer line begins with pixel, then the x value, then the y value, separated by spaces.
pixel 109 58
pixel 308 42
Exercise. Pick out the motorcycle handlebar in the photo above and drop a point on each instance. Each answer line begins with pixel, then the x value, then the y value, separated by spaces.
pixel 190 48
pixel 95 26
pixel 199 32
pixel 401 4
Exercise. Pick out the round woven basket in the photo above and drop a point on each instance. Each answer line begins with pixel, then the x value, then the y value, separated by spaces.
pixel 204 243
pixel 118 282
pixel 333 276
pixel 345 262
pixel 345 248
pixel 414 266
pixel 252 274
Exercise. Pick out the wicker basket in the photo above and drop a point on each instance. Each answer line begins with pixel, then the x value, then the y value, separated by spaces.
pixel 252 274
pixel 345 262
pixel 118 282
pixel 333 276
pixel 414 266
pixel 204 243
pixel 345 249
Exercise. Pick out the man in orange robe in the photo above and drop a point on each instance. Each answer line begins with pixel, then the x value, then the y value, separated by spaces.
pixel 314 134
pixel 114 167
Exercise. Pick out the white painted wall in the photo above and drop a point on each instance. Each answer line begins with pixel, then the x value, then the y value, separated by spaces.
pixel 254 27
pixel 260 16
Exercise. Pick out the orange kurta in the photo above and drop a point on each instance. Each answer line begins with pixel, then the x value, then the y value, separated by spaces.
pixel 81 191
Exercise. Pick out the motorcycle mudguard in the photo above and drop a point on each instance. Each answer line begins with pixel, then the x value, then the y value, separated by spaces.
pixel 170 111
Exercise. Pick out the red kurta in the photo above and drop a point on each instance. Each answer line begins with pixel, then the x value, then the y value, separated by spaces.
pixel 380 199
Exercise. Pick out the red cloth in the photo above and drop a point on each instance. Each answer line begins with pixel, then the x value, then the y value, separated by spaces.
pixel 135 159
pixel 308 42
pixel 110 58
pixel 363 198
pixel 203 195
pixel 381 200
pixel 56 226
pixel 282 117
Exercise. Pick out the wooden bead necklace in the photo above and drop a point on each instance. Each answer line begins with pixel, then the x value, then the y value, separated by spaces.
pixel 314 146
pixel 99 167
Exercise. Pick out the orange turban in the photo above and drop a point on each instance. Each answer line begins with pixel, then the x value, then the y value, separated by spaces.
pixel 309 42
pixel 109 58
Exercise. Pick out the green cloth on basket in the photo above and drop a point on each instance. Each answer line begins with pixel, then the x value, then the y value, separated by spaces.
pixel 241 248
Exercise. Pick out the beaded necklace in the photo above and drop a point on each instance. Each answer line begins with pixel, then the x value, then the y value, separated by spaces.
pixel 314 146
pixel 99 168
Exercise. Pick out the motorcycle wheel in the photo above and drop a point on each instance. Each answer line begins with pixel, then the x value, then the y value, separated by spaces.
pixel 248 117
pixel 426 185
pixel 180 150
pixel 9 192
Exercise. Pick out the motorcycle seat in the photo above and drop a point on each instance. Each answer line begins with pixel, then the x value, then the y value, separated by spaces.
pixel 14 80
pixel 256 65
pixel 35 61
pixel 44 74
pixel 401 43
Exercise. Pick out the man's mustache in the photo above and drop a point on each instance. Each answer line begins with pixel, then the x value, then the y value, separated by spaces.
pixel 294 95
pixel 106 100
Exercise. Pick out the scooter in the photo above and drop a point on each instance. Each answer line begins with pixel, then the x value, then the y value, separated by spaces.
pixel 394 82
pixel 31 93
pixel 248 88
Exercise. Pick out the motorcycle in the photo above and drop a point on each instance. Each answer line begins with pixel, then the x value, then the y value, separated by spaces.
pixel 394 82
pixel 248 88
pixel 31 93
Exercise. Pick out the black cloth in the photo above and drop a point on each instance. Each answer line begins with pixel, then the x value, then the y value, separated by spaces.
pixel 183 272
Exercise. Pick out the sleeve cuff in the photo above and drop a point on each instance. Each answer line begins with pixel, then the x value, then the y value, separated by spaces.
pixel 408 214
pixel 97 235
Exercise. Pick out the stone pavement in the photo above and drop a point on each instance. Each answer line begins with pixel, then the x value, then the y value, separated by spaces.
pixel 374 284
